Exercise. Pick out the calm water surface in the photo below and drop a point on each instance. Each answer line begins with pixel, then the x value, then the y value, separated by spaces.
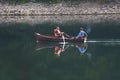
pixel 22 59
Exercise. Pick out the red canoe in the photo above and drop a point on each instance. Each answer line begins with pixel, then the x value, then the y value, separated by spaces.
pixel 48 38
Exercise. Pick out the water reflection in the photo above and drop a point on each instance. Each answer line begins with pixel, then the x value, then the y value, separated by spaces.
pixel 60 48
pixel 80 48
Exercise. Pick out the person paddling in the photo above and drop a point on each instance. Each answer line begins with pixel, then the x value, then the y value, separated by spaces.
pixel 58 33
pixel 82 34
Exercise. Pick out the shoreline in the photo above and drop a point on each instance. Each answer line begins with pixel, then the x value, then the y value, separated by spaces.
pixel 39 9
pixel 32 20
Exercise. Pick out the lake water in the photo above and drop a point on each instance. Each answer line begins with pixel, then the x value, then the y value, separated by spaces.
pixel 21 58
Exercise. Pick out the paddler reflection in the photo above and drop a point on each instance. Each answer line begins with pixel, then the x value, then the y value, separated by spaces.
pixel 82 48
pixel 60 49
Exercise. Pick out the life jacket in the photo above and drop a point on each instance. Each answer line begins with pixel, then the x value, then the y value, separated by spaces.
pixel 57 33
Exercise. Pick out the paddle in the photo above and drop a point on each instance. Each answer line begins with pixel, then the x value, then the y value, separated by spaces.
pixel 63 38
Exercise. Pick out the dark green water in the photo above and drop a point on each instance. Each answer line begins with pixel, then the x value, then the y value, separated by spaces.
pixel 22 59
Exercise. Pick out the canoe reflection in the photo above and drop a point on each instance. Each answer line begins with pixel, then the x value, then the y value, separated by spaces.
pixel 61 47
